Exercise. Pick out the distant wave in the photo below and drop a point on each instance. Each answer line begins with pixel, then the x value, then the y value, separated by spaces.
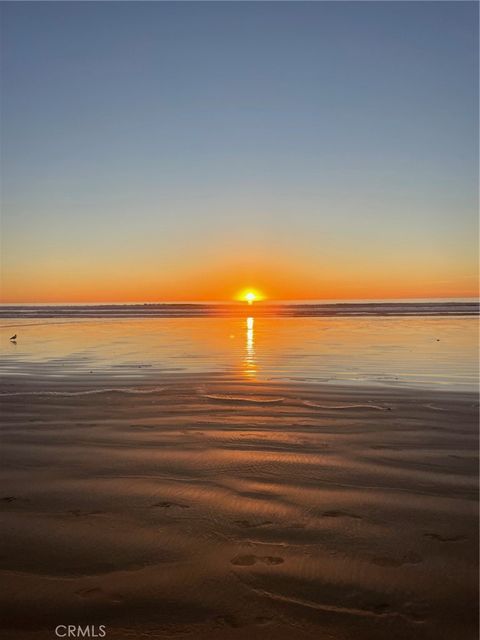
pixel 194 310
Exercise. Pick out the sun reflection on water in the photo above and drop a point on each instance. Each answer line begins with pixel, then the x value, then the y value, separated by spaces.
pixel 250 361
pixel 426 351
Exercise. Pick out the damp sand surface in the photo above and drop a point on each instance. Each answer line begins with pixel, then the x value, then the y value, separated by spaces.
pixel 208 507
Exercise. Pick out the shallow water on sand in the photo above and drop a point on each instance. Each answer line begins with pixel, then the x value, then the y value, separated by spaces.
pixel 397 351
pixel 240 478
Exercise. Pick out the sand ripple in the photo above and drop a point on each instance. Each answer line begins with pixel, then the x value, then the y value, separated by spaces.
pixel 251 399
pixel 240 513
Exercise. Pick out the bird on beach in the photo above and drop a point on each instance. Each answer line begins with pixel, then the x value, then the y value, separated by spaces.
pixel 14 337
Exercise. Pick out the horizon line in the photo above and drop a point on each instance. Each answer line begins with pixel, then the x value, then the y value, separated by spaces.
pixel 243 303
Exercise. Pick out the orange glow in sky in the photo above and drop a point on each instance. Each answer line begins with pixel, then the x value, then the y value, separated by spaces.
pixel 280 170
pixel 112 283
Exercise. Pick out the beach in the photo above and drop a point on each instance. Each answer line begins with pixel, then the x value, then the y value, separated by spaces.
pixel 229 503
pixel 239 313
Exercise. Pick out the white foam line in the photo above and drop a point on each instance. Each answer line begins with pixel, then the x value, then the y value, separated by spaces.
pixel 308 403
pixel 87 392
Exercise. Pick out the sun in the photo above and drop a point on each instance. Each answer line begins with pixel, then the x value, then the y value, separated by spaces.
pixel 250 296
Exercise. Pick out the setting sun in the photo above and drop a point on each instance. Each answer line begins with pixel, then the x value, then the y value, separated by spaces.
pixel 250 296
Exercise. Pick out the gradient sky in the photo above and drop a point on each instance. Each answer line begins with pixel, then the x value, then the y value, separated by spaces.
pixel 166 151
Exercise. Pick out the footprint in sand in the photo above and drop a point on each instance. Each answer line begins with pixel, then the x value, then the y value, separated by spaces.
pixel 250 560
pixel 409 558
pixel 440 538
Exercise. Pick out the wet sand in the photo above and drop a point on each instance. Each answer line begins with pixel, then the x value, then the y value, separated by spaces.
pixel 208 507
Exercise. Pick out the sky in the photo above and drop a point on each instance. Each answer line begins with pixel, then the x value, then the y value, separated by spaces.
pixel 190 150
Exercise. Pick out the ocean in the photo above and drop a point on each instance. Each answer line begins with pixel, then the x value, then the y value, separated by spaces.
pixel 430 344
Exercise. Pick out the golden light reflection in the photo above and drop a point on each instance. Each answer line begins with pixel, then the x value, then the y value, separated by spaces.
pixel 250 361
pixel 250 296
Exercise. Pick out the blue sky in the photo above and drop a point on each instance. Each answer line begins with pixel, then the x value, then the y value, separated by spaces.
pixel 328 143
